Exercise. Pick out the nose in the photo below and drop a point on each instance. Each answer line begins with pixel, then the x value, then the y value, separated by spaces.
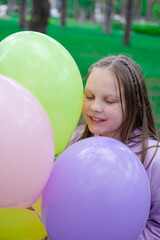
pixel 96 106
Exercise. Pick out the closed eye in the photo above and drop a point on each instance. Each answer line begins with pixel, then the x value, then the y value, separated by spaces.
pixel 110 101
pixel 89 97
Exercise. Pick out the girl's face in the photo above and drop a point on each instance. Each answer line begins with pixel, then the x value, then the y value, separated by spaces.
pixel 102 109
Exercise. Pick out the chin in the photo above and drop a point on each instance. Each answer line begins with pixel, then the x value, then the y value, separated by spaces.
pixel 95 131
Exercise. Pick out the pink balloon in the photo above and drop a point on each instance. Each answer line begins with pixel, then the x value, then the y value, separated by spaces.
pixel 26 146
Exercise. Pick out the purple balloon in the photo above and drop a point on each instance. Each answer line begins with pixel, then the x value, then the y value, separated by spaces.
pixel 98 190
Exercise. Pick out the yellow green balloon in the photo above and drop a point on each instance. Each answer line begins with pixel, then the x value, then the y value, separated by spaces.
pixel 47 69
pixel 18 224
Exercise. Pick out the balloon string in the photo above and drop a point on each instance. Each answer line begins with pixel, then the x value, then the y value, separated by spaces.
pixel 33 209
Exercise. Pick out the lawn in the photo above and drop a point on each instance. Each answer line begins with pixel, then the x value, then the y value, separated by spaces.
pixel 87 43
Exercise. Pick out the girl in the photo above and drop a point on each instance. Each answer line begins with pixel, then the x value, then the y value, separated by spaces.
pixel 116 105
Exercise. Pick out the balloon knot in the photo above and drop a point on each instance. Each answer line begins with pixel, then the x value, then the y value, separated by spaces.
pixel 31 208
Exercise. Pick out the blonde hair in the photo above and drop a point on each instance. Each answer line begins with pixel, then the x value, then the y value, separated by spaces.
pixel 137 106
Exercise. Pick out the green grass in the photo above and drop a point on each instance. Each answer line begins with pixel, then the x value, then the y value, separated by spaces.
pixel 87 43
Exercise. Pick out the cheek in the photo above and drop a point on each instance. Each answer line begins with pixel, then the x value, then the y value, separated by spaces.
pixel 116 112
pixel 120 112
pixel 85 110
pixel 85 106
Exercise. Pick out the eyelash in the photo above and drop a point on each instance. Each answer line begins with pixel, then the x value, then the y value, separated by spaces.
pixel 89 97
pixel 110 102
pixel 107 101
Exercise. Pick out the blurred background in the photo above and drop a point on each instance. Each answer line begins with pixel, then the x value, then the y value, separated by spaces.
pixel 91 30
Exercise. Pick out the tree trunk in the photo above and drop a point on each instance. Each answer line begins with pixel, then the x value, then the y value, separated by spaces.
pixel 76 9
pixel 108 13
pixel 138 9
pixel 123 10
pixel 93 20
pixel 149 11
pixel 63 14
pixel 82 15
pixel 11 5
pixel 40 16
pixel 129 17
pixel 22 14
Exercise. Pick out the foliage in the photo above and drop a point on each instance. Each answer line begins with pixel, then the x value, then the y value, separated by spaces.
pixel 147 28
pixel 70 8
pixel 152 28
pixel 86 3
pixel 156 10
pixel 118 24
pixel 117 6
pixel 29 3
pixel 3 2
pixel 144 7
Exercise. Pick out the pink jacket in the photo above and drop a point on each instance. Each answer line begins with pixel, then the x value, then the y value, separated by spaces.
pixel 152 228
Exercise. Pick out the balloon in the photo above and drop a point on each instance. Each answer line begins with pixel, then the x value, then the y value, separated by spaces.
pixel 98 189
pixel 47 69
pixel 26 146
pixel 21 224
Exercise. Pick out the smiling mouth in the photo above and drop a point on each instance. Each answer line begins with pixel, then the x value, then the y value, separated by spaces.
pixel 97 119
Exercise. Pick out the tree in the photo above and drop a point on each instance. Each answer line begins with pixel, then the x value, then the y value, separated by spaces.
pixel 40 16
pixel 108 12
pixel 63 14
pixel 117 6
pixel 138 9
pixel 86 9
pixel 11 5
pixel 149 10
pixel 156 10
pixel 123 8
pixel 129 17
pixel 76 9
pixel 22 14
